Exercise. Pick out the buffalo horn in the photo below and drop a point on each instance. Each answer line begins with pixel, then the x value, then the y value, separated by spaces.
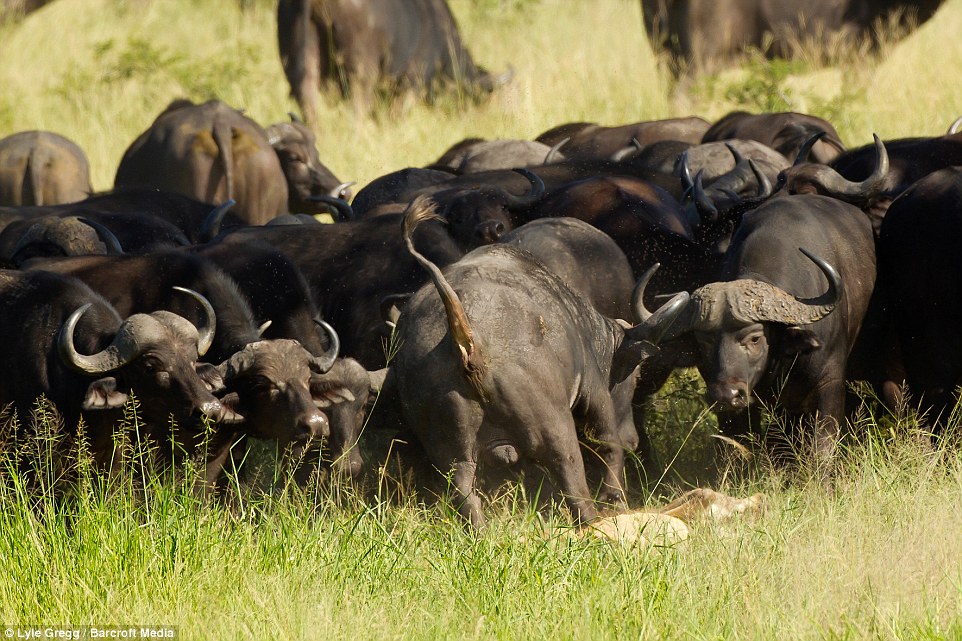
pixel 737 155
pixel 552 154
pixel 214 220
pixel 706 208
pixel 802 156
pixel 834 184
pixel 764 184
pixel 638 295
pixel 631 149
pixel 323 363
pixel 338 192
pixel 205 336
pixel 104 361
pixel 109 239
pixel 295 118
pixel 687 182
pixel 533 196
pixel 341 206
pixel 955 126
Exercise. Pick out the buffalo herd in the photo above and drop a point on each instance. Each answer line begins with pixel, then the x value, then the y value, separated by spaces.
pixel 503 311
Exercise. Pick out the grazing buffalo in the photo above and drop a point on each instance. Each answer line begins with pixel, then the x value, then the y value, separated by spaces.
pixel 42 168
pixel 921 285
pixel 705 34
pixel 499 365
pixel 360 45
pixel 70 345
pixel 785 132
pixel 775 327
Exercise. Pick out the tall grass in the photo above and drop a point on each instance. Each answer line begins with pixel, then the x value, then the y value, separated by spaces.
pixel 878 556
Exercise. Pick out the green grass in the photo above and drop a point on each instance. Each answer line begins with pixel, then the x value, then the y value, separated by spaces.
pixel 880 556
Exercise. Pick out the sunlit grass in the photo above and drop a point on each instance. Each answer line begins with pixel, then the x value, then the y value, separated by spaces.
pixel 99 71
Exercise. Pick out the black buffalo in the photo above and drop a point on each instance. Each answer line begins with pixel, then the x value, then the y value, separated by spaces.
pixel 499 365
pixel 705 34
pixel 920 282
pixel 360 46
pixel 776 328
pixel 70 345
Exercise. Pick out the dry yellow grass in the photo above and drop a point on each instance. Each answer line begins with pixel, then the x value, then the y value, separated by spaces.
pixel 99 71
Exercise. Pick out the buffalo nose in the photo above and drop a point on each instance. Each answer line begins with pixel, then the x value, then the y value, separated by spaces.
pixel 729 395
pixel 312 426
pixel 490 231
pixel 220 413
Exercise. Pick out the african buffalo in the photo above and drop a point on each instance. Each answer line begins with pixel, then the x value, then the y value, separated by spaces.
pixel 785 132
pixel 776 328
pixel 920 281
pixel 705 34
pixel 360 45
pixel 69 344
pixel 215 153
pixel 500 363
pixel 42 168
pixel 588 141
pixel 267 379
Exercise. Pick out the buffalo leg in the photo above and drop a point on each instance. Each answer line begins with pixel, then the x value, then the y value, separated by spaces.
pixel 561 456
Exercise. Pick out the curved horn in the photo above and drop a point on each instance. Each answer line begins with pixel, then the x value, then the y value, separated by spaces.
pixel 338 191
pixel 323 363
pixel 834 184
pixel 834 293
pixel 104 361
pixel 110 241
pixel 295 118
pixel 737 155
pixel 536 193
pixel 758 301
pixel 341 207
pixel 706 208
pixel 658 324
pixel 764 184
pixel 626 152
pixel 806 148
pixel 205 336
pixel 687 182
pixel 552 154
pixel 214 220
pixel 954 127
pixel 638 308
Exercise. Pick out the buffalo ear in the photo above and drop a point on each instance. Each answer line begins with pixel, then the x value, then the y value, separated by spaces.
pixel 795 341
pixel 327 393
pixel 102 394
pixel 211 376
